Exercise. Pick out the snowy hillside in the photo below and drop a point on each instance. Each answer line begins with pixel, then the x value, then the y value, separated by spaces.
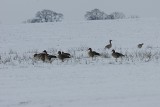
pixel 80 81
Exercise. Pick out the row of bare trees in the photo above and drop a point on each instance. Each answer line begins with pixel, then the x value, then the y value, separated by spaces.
pixel 95 14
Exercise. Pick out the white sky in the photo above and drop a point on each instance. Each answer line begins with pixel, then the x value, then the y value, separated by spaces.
pixel 16 11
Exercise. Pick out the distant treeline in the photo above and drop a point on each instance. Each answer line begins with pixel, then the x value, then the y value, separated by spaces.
pixel 95 14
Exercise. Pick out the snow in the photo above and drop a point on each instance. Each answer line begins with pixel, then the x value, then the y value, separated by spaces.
pixel 80 81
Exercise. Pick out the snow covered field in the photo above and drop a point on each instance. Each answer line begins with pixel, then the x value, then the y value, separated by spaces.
pixel 81 81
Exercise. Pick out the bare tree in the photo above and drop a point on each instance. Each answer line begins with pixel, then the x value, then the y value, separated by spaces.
pixel 49 16
pixel 46 16
pixel 95 14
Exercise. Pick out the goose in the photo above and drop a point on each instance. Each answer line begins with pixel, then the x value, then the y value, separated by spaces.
pixel 44 56
pixel 109 45
pixel 93 53
pixel 116 54
pixel 140 45
pixel 62 56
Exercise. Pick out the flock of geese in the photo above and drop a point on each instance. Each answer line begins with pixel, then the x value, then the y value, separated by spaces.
pixel 45 57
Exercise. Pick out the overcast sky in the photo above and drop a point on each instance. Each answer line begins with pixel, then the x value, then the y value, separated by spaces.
pixel 16 11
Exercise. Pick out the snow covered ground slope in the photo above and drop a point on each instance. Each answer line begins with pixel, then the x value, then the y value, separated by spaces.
pixel 81 81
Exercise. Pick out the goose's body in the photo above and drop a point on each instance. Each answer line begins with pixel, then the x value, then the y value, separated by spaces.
pixel 40 56
pixel 140 45
pixel 51 56
pixel 66 54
